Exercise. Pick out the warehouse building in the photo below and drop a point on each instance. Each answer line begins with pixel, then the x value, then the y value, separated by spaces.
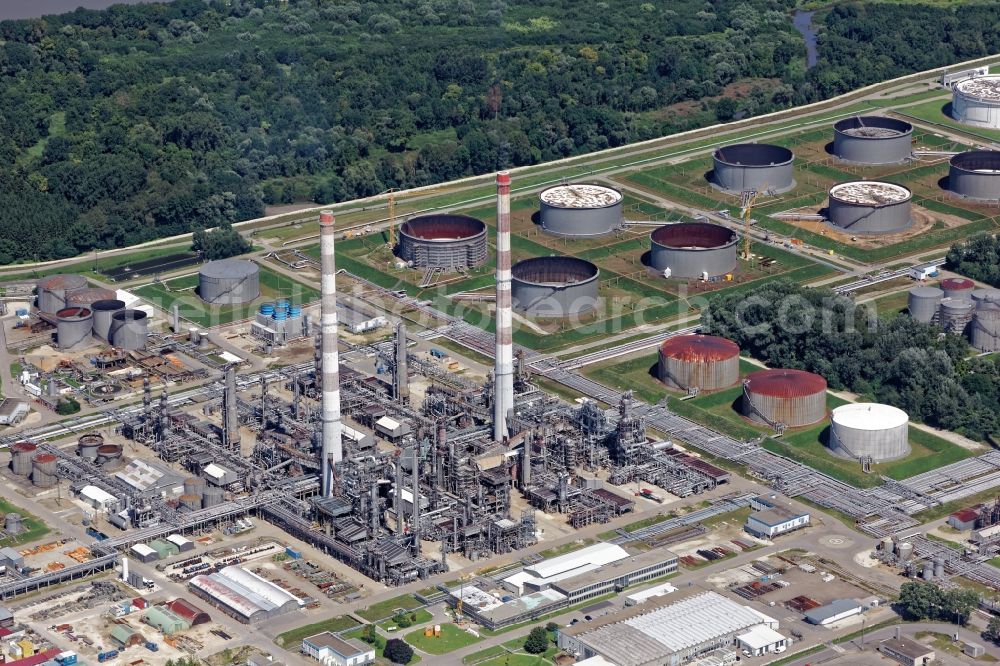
pixel 761 640
pixel 905 651
pixel 144 553
pixel 189 612
pixel 165 620
pixel 668 633
pixel 330 649
pixel 244 595
pixel 834 611
pixel 772 517
pixel 150 479
pixel 97 497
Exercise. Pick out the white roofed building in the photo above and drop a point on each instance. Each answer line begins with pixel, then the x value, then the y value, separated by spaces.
pixel 97 497
pixel 244 595
pixel 218 475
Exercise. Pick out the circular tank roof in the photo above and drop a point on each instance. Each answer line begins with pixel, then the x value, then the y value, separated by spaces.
pixel 74 313
pixel 62 281
pixel 977 161
pixel 927 292
pixel 24 447
pixel 442 227
pixel 986 88
pixel 129 315
pixel 699 348
pixel 89 295
pixel 869 193
pixel 693 235
pixel 957 284
pixel 554 271
pixel 580 195
pixel 873 127
pixel 228 268
pixel 869 416
pixel 783 383
pixel 45 458
pixel 753 155
pixel 110 304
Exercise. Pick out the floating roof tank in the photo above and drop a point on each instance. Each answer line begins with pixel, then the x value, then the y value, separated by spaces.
pixel 103 311
pixel 691 249
pixel 872 140
pixel 580 209
pixel 74 326
pixel 976 101
pixel 450 242
pixel 129 329
pixel 554 286
pixel 870 207
pixel 753 166
pixel 975 174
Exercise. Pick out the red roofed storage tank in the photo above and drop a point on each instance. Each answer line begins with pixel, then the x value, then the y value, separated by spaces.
pixel 705 362
pixel 958 287
pixel 791 397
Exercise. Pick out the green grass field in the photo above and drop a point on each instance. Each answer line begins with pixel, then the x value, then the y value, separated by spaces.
pixel 566 548
pixel 389 607
pixel 182 290
pixel 934 111
pixel 34 528
pixel 452 638
pixel 420 616
pixel 290 640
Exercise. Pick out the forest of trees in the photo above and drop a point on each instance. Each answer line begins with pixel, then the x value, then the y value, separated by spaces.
pixel 898 361
pixel 977 258
pixel 143 121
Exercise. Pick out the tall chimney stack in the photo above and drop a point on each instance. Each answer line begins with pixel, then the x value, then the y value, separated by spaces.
pixel 503 375
pixel 330 418
pixel 230 413
pixel 402 387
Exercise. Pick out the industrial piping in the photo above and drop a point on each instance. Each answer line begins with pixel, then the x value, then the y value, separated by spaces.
pixel 330 418
pixel 503 375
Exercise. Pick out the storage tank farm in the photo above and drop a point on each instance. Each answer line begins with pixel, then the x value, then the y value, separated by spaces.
pixel 703 362
pixel 129 329
pixel 869 430
pixel 580 210
pixel 554 286
pixel 74 326
pixel 693 250
pixel 229 282
pixel 793 398
pixel 975 174
pixel 449 242
pixel 53 290
pixel 985 327
pixel 753 166
pixel 923 303
pixel 872 140
pixel 976 101
pixel 870 207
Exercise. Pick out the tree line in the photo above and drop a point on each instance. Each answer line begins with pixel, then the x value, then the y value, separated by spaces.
pixel 897 361
pixel 977 258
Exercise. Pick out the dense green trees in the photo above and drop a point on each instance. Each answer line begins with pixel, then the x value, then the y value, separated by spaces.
pixel 925 601
pixel 397 651
pixel 537 641
pixel 220 243
pixel 897 361
pixel 978 258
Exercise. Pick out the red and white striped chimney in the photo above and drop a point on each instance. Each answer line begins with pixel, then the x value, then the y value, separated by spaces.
pixel 330 416
pixel 503 375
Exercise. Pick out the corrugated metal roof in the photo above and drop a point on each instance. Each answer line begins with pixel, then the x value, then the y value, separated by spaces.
pixel 785 383
pixel 223 590
pixel 699 347
pixel 260 586
pixel 95 494
pixel 597 555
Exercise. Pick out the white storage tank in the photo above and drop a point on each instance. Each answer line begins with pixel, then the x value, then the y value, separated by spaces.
pixel 859 430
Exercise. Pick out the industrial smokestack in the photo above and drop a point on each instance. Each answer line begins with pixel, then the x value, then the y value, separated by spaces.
pixel 415 514
pixel 125 569
pixel 230 414
pixel 503 375
pixel 402 384
pixel 177 318
pixel 330 419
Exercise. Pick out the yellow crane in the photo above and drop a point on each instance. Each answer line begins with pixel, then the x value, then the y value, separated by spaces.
pixel 747 200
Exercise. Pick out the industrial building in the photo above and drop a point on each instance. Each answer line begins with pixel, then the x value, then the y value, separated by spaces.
pixel 761 640
pixel 906 651
pixel 445 242
pixel 975 174
pixel 976 101
pixel 835 611
pixel 280 322
pixel 229 282
pixel 580 210
pixel 334 651
pixel 699 362
pixel 759 167
pixel 872 140
pixel 554 286
pixel 13 411
pixel 244 595
pixel 165 620
pixel 643 596
pixel 869 431
pixel 785 398
pixel 668 633
pixel 693 250
pixel 869 207
pixel 773 517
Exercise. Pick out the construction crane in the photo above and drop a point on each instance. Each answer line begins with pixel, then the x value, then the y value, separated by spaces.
pixel 747 200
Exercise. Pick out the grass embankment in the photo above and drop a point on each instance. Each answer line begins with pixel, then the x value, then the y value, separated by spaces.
pixel 291 640
pixel 452 638
pixel 389 607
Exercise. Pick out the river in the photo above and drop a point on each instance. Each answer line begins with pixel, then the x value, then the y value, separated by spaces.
pixel 20 9
pixel 803 22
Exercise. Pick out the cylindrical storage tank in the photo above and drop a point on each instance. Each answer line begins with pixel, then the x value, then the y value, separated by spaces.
pixel 108 452
pixel 872 140
pixel 753 166
pixel 52 291
pixel 194 335
pixel 192 502
pixel 103 311
pixel 449 242
pixel 928 571
pixel 905 551
pixel 580 210
pixel 87 446
pixel 705 362
pixel 12 523
pixel 43 470
pixel 689 250
pixel 267 309
pixel 74 326
pixel 129 329
pixel 229 282
pixel 792 397
pixel 976 101
pixel 21 455
pixel 958 288
pixel 194 485
pixel 554 286
pixel 88 296
pixel 983 296
pixel 923 303
pixel 870 207
pixel 986 329
pixel 203 341
pixel 955 314
pixel 859 430
pixel 975 174
pixel 213 496
pixel 939 567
